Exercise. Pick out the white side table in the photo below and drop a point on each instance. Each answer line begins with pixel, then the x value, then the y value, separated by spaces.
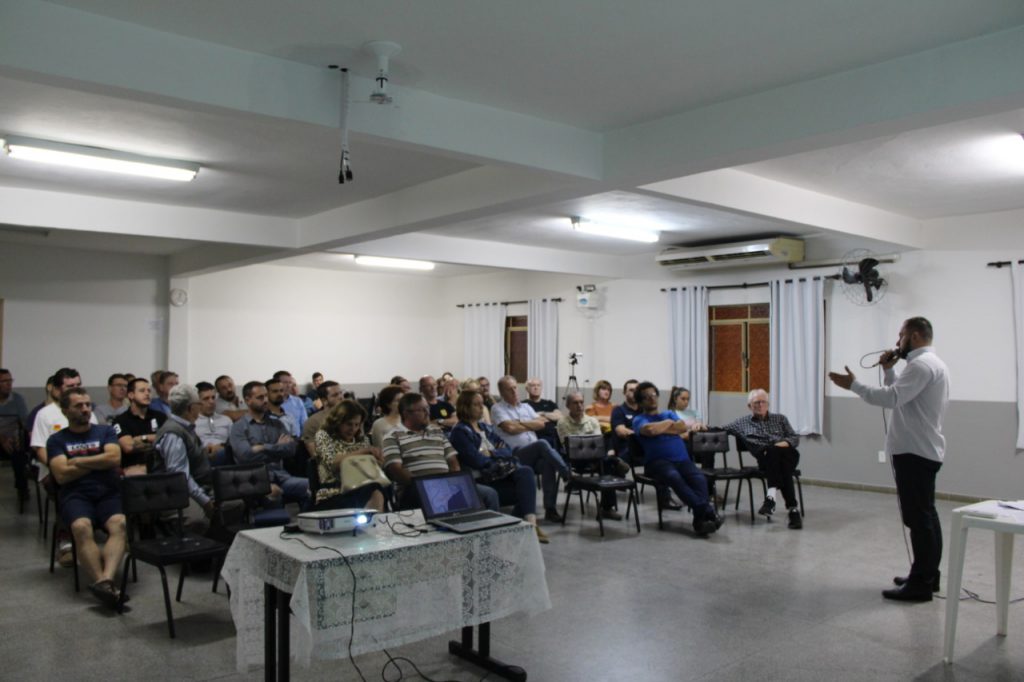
pixel 1004 522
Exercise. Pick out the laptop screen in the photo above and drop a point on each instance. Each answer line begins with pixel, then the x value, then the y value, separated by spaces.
pixel 447 494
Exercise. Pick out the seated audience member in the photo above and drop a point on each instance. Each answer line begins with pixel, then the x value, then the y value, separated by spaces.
pixel 679 402
pixel 340 439
pixel 667 460
pixel 390 420
pixel 474 385
pixel 442 412
pixel 213 429
pixel 228 403
pixel 517 424
pixel 259 436
pixel 166 380
pixel 116 403
pixel 492 462
pixel 311 394
pixel 178 448
pixel 401 382
pixel 485 391
pixel 420 448
pixel 14 431
pixel 49 420
pixel 329 395
pixel 622 421
pixel 292 405
pixel 772 442
pixel 84 458
pixel 449 390
pixel 136 428
pixel 545 409
pixel 602 406
pixel 578 423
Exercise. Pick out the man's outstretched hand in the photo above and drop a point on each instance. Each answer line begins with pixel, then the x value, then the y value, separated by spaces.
pixel 842 380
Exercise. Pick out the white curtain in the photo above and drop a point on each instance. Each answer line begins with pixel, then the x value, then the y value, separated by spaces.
pixel 484 341
pixel 797 362
pixel 688 339
pixel 1017 275
pixel 542 345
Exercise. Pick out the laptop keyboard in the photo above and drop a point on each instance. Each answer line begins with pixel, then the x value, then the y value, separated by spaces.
pixel 471 518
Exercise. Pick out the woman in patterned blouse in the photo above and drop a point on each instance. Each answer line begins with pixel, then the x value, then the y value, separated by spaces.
pixel 340 438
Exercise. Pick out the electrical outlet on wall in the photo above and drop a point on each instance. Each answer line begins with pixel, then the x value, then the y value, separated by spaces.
pixel 881 456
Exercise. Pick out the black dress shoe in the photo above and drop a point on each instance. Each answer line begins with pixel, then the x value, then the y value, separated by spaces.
pixel 552 516
pixel 671 506
pixel 912 592
pixel 936 582
pixel 611 514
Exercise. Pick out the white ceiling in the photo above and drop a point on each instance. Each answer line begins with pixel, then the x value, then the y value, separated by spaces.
pixel 551 97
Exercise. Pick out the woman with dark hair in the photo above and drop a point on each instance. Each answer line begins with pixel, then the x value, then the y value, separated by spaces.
pixel 679 402
pixel 491 462
pixel 390 420
pixel 602 406
pixel 342 438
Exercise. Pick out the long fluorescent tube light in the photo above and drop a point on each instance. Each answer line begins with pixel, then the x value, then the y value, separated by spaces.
pixel 405 263
pixel 94 158
pixel 613 231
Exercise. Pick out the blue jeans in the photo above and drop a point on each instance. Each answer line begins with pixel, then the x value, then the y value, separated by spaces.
pixel 520 489
pixel 293 488
pixel 687 481
pixel 546 461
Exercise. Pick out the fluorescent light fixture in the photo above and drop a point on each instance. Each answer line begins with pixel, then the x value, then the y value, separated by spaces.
pixel 614 231
pixel 94 158
pixel 404 263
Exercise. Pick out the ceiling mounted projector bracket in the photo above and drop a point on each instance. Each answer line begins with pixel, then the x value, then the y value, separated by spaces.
pixel 383 50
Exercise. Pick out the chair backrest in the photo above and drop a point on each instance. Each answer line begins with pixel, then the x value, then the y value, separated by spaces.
pixel 240 482
pixel 704 445
pixel 154 492
pixel 585 448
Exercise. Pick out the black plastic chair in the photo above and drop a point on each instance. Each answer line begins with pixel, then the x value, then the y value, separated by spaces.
pixel 153 494
pixel 249 483
pixel 704 448
pixel 58 525
pixel 586 455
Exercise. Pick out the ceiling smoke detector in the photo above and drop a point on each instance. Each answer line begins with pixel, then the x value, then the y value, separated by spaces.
pixel 383 50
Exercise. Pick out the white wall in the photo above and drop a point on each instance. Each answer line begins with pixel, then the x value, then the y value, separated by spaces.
pixel 97 312
pixel 354 327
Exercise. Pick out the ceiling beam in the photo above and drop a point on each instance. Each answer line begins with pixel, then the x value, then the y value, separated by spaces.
pixel 48 41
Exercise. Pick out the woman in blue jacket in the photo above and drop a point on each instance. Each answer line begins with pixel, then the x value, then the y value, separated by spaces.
pixel 491 462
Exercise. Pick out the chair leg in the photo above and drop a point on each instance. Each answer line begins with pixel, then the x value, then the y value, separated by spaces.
pixel 74 560
pixel 658 497
pixel 124 582
pixel 600 520
pixel 53 548
pixel 636 508
pixel 216 572
pixel 565 508
pixel 725 495
pixel 800 494
pixel 750 495
pixel 167 600
pixel 181 580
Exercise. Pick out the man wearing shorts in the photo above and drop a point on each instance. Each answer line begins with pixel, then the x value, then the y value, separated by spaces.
pixel 84 458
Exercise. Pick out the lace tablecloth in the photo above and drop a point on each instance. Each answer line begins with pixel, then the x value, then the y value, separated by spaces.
pixel 406 588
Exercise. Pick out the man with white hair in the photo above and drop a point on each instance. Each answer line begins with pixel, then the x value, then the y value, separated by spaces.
pixel 180 449
pixel 772 442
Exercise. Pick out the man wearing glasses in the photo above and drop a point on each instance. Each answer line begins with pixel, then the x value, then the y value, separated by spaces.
pixel 772 442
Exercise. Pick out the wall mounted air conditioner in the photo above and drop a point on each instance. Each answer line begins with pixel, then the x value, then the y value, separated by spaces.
pixel 758 252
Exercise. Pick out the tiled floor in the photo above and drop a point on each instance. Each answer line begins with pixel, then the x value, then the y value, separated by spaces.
pixel 754 602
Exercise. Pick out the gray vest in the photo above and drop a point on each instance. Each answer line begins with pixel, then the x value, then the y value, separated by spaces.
pixel 198 462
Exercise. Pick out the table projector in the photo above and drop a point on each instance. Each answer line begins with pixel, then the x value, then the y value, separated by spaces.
pixel 335 520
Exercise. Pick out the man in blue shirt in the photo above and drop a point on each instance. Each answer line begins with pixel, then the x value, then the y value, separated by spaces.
pixel 84 458
pixel 668 462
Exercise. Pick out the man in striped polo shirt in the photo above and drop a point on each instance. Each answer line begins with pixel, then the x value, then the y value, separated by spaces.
pixel 420 448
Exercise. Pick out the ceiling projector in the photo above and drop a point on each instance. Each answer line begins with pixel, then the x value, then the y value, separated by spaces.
pixel 335 521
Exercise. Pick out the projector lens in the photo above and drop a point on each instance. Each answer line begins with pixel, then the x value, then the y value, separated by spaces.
pixel 361 519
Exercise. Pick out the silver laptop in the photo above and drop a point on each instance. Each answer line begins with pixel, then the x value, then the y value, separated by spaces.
pixel 450 501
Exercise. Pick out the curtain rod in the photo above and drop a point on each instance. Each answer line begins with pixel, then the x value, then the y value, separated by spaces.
pixel 1002 263
pixel 464 305
pixel 750 285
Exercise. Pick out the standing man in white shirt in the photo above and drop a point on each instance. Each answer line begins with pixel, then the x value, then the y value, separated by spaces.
pixel 918 397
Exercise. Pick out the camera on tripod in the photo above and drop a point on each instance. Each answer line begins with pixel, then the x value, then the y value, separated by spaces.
pixel 574 358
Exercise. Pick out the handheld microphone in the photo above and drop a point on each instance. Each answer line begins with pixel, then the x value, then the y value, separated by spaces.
pixel 886 356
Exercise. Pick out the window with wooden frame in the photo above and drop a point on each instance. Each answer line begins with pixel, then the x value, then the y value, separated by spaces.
pixel 516 330
pixel 739 347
